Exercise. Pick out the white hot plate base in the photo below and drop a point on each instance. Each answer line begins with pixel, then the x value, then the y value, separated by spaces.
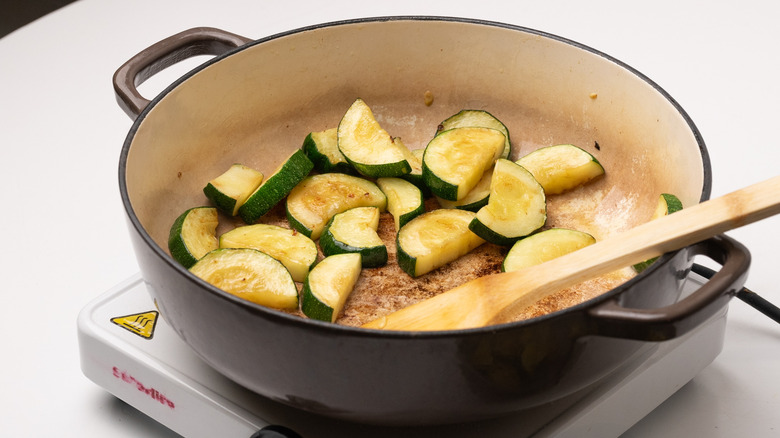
pixel 130 351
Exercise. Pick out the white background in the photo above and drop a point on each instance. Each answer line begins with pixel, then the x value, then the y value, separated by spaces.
pixel 65 240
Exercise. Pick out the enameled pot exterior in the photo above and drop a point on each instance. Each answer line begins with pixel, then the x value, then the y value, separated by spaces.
pixel 406 377
pixel 420 378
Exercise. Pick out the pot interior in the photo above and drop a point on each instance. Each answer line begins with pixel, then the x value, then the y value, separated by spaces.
pixel 256 105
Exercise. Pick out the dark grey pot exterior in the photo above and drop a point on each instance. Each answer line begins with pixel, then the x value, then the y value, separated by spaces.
pixel 407 378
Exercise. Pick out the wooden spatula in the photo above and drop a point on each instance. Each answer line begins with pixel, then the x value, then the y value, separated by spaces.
pixel 476 303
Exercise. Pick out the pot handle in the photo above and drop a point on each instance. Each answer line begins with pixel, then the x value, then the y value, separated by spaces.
pixel 613 320
pixel 163 54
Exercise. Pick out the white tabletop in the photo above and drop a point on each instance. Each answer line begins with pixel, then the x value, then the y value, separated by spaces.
pixel 66 240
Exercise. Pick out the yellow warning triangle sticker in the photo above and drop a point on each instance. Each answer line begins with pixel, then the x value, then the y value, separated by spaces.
pixel 141 324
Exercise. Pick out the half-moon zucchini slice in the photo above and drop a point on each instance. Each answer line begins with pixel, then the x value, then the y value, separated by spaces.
pixel 516 208
pixel 543 246
pixel 328 286
pixel 249 274
pixel 434 239
pixel 354 231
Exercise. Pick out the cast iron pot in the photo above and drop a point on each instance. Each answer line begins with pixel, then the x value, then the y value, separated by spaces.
pixel 255 102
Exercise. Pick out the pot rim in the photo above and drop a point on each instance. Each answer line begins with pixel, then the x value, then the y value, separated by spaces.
pixel 293 320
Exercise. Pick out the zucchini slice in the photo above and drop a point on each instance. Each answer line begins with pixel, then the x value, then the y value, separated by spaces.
pixel 543 246
pixel 476 198
pixel 230 190
pixel 297 252
pixel 562 167
pixel 322 148
pixel 414 157
pixel 313 202
pixel 275 188
pixel 455 160
pixel 249 274
pixel 415 176
pixel 667 204
pixel 368 147
pixel 404 200
pixel 193 234
pixel 354 231
pixel 477 118
pixel 517 206
pixel 434 239
pixel 328 286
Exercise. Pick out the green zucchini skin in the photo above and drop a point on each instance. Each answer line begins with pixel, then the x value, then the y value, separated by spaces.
pixel 384 170
pixel 434 239
pixel 438 186
pixel 276 187
pixel 517 206
pixel 477 118
pixel 372 256
pixel 296 225
pixel 179 245
pixel 477 198
pixel 400 194
pixel 455 160
pixel 225 204
pixel 406 262
pixel 367 146
pixel 312 307
pixel 328 286
pixel 404 219
pixel 321 161
pixel 231 189
pixel 480 229
pixel 474 206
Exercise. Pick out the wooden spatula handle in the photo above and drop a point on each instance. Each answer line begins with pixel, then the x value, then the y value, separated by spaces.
pixel 477 302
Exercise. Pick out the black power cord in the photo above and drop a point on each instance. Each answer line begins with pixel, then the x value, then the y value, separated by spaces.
pixel 746 295
pixel 275 431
